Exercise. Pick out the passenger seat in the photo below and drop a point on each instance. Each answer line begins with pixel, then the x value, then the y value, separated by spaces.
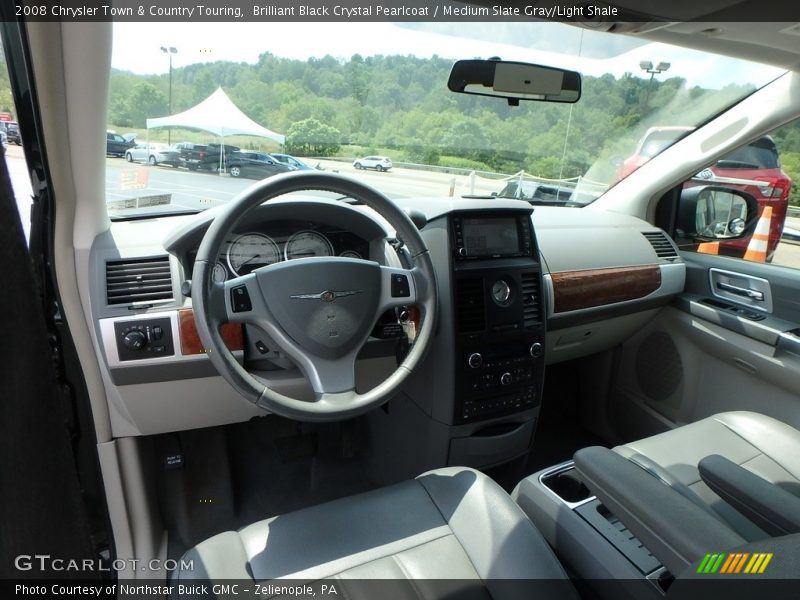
pixel 760 444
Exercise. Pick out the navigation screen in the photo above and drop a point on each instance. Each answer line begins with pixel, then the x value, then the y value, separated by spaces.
pixel 487 237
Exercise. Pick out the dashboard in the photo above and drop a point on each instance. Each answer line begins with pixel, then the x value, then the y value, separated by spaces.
pixel 518 290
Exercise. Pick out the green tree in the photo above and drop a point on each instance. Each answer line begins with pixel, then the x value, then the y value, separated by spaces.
pixel 311 137
pixel 146 101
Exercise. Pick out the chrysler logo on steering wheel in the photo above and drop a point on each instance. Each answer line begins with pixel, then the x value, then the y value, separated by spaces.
pixel 327 295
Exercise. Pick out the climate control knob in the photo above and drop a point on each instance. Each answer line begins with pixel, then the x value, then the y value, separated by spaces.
pixel 536 350
pixel 134 340
pixel 505 379
pixel 475 360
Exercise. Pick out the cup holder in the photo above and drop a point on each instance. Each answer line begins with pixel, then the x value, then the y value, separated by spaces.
pixel 565 484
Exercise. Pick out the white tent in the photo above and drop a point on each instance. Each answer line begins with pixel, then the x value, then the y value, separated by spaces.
pixel 218 115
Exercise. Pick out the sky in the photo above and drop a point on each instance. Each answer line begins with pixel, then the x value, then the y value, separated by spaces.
pixel 137 47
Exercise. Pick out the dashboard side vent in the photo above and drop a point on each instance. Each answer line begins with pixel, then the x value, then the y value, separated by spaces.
pixel 531 300
pixel 661 244
pixel 470 309
pixel 138 280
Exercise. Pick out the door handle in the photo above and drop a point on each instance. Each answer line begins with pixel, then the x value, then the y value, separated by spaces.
pixel 741 291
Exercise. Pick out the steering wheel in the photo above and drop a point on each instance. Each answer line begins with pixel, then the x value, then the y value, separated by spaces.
pixel 320 311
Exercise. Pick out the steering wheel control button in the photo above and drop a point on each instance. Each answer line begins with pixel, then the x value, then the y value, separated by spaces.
pixel 475 360
pixel 400 286
pixel 148 338
pixel 261 347
pixel 240 299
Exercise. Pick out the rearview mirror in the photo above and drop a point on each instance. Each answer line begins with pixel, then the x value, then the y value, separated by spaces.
pixel 715 213
pixel 514 81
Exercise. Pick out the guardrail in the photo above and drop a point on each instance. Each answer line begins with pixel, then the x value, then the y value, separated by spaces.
pixel 793 211
pixel 491 175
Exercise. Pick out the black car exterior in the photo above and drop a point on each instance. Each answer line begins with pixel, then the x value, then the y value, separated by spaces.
pixel 255 165
pixel 12 131
pixel 116 145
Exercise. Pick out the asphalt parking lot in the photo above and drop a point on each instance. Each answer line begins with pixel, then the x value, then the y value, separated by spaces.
pixel 203 189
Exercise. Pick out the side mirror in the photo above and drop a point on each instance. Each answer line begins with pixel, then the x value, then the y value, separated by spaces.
pixel 711 213
pixel 514 81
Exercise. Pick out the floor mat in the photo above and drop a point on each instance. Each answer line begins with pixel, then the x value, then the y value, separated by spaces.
pixel 559 433
pixel 280 466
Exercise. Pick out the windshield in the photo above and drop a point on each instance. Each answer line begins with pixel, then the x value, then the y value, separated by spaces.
pixel 370 100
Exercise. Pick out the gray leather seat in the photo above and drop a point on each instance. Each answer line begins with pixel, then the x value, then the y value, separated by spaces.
pixel 761 444
pixel 452 523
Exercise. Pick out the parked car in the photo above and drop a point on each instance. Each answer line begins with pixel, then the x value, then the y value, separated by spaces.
pixel 379 163
pixel 535 191
pixel 292 161
pixel 154 154
pixel 256 165
pixel 12 131
pixel 192 155
pixel 3 141
pixel 653 142
pixel 117 145
pixel 203 156
pixel 757 161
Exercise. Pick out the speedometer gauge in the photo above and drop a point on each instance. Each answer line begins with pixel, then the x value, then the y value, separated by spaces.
pixel 351 254
pixel 250 251
pixel 304 244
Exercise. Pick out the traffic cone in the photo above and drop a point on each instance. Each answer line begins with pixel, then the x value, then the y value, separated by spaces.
pixel 757 248
pixel 708 248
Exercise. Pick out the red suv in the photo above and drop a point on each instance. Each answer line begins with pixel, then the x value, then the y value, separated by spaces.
pixel 757 161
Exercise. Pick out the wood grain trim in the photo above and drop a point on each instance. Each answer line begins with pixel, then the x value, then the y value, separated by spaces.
pixel 574 290
pixel 232 333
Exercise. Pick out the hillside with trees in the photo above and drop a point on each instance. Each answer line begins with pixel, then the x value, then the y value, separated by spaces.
pixel 400 106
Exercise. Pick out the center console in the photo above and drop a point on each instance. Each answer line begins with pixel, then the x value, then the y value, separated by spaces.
pixel 589 538
pixel 499 315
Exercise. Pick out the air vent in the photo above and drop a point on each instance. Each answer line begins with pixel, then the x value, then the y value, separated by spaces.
pixel 138 280
pixel 470 313
pixel 661 244
pixel 531 301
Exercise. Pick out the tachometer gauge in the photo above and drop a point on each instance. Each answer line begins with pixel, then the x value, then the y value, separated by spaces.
pixel 250 251
pixel 351 254
pixel 304 244
pixel 219 274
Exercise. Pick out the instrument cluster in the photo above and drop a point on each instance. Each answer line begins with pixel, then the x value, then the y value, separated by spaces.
pixel 274 242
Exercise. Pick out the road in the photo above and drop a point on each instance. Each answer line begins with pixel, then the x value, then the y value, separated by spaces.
pixel 203 189
pixel 199 190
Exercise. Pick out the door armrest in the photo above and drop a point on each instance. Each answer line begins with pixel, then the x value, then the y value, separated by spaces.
pixel 772 508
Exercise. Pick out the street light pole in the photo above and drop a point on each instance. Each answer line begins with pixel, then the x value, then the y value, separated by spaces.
pixel 647 67
pixel 169 51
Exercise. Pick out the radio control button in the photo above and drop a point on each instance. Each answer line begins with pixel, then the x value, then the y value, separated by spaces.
pixel 475 360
